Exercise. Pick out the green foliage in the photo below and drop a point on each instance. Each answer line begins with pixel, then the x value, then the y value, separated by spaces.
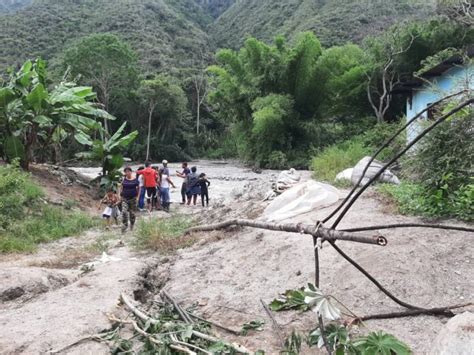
pixel 256 325
pixel 165 235
pixel 380 343
pixel 279 100
pixel 109 152
pixel 335 22
pixel 34 118
pixel 334 159
pixel 337 335
pixel 440 168
pixel 25 220
pixel 163 33
pixel 104 62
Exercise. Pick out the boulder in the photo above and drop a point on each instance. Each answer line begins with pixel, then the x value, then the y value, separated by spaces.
pixel 375 166
pixel 301 198
pixel 456 337
pixel 345 175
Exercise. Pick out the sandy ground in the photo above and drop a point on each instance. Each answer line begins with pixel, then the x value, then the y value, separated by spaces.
pixel 227 278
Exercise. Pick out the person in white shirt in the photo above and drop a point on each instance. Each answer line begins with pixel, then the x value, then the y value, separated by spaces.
pixel 141 198
pixel 165 190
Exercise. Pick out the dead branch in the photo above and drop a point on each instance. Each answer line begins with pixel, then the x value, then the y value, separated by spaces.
pixel 409 225
pixel 275 324
pixel 182 313
pixel 143 317
pixel 314 230
pixel 439 311
pixel 217 325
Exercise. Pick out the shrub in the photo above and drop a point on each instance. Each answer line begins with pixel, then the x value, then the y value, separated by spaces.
pixel 417 199
pixel 165 235
pixel 336 158
pixel 277 160
pixel 441 167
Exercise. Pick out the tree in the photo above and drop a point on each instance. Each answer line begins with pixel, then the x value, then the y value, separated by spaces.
pixel 166 110
pixel 31 116
pixel 384 51
pixel 342 72
pixel 106 63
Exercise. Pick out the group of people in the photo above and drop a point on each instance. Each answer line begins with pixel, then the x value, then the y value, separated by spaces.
pixel 151 185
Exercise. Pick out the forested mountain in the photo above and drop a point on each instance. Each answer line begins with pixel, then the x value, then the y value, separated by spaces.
pixel 12 5
pixel 170 34
pixel 333 21
pixel 164 33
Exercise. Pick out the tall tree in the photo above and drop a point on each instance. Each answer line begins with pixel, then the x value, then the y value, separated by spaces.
pixel 106 63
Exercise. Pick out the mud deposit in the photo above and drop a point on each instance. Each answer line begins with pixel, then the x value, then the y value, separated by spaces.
pixel 46 304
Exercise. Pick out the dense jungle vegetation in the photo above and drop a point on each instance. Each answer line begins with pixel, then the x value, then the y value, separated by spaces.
pixel 273 83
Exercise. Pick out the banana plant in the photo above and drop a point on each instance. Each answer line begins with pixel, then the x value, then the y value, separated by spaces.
pixel 31 115
pixel 109 152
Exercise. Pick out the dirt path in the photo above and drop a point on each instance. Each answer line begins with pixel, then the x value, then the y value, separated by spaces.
pixel 227 278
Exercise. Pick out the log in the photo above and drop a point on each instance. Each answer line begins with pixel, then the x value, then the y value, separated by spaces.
pixel 310 229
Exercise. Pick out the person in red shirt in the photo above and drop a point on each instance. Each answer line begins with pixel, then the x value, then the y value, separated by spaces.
pixel 150 177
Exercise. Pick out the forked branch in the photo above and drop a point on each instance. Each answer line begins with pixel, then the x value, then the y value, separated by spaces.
pixel 310 229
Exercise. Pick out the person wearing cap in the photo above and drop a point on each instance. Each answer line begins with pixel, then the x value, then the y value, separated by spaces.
pixel 164 169
pixel 129 192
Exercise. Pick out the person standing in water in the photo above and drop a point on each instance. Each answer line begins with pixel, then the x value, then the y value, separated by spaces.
pixel 183 175
pixel 129 192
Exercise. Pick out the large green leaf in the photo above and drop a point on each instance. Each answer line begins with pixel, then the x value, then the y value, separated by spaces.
pixel 42 120
pixel 36 97
pixel 13 148
pixel 6 96
pixel 83 138
pixel 77 95
pixel 380 343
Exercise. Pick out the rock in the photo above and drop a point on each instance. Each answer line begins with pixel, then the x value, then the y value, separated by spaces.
pixel 387 176
pixel 345 175
pixel 300 199
pixel 456 337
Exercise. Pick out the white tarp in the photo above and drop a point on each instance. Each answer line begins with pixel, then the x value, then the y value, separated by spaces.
pixel 287 179
pixel 301 198
pixel 373 169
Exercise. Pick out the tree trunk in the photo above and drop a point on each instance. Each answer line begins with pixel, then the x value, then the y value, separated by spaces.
pixel 150 114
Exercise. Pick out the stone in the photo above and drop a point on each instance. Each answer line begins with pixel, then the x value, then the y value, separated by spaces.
pixel 456 337
pixel 375 166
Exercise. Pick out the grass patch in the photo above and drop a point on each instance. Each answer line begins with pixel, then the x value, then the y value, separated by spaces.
pixel 164 235
pixel 51 224
pixel 334 159
pixel 26 220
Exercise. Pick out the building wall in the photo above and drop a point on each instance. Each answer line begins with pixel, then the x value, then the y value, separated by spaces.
pixel 453 80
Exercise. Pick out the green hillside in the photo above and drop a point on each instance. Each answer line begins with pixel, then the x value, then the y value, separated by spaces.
pixel 334 21
pixel 164 33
